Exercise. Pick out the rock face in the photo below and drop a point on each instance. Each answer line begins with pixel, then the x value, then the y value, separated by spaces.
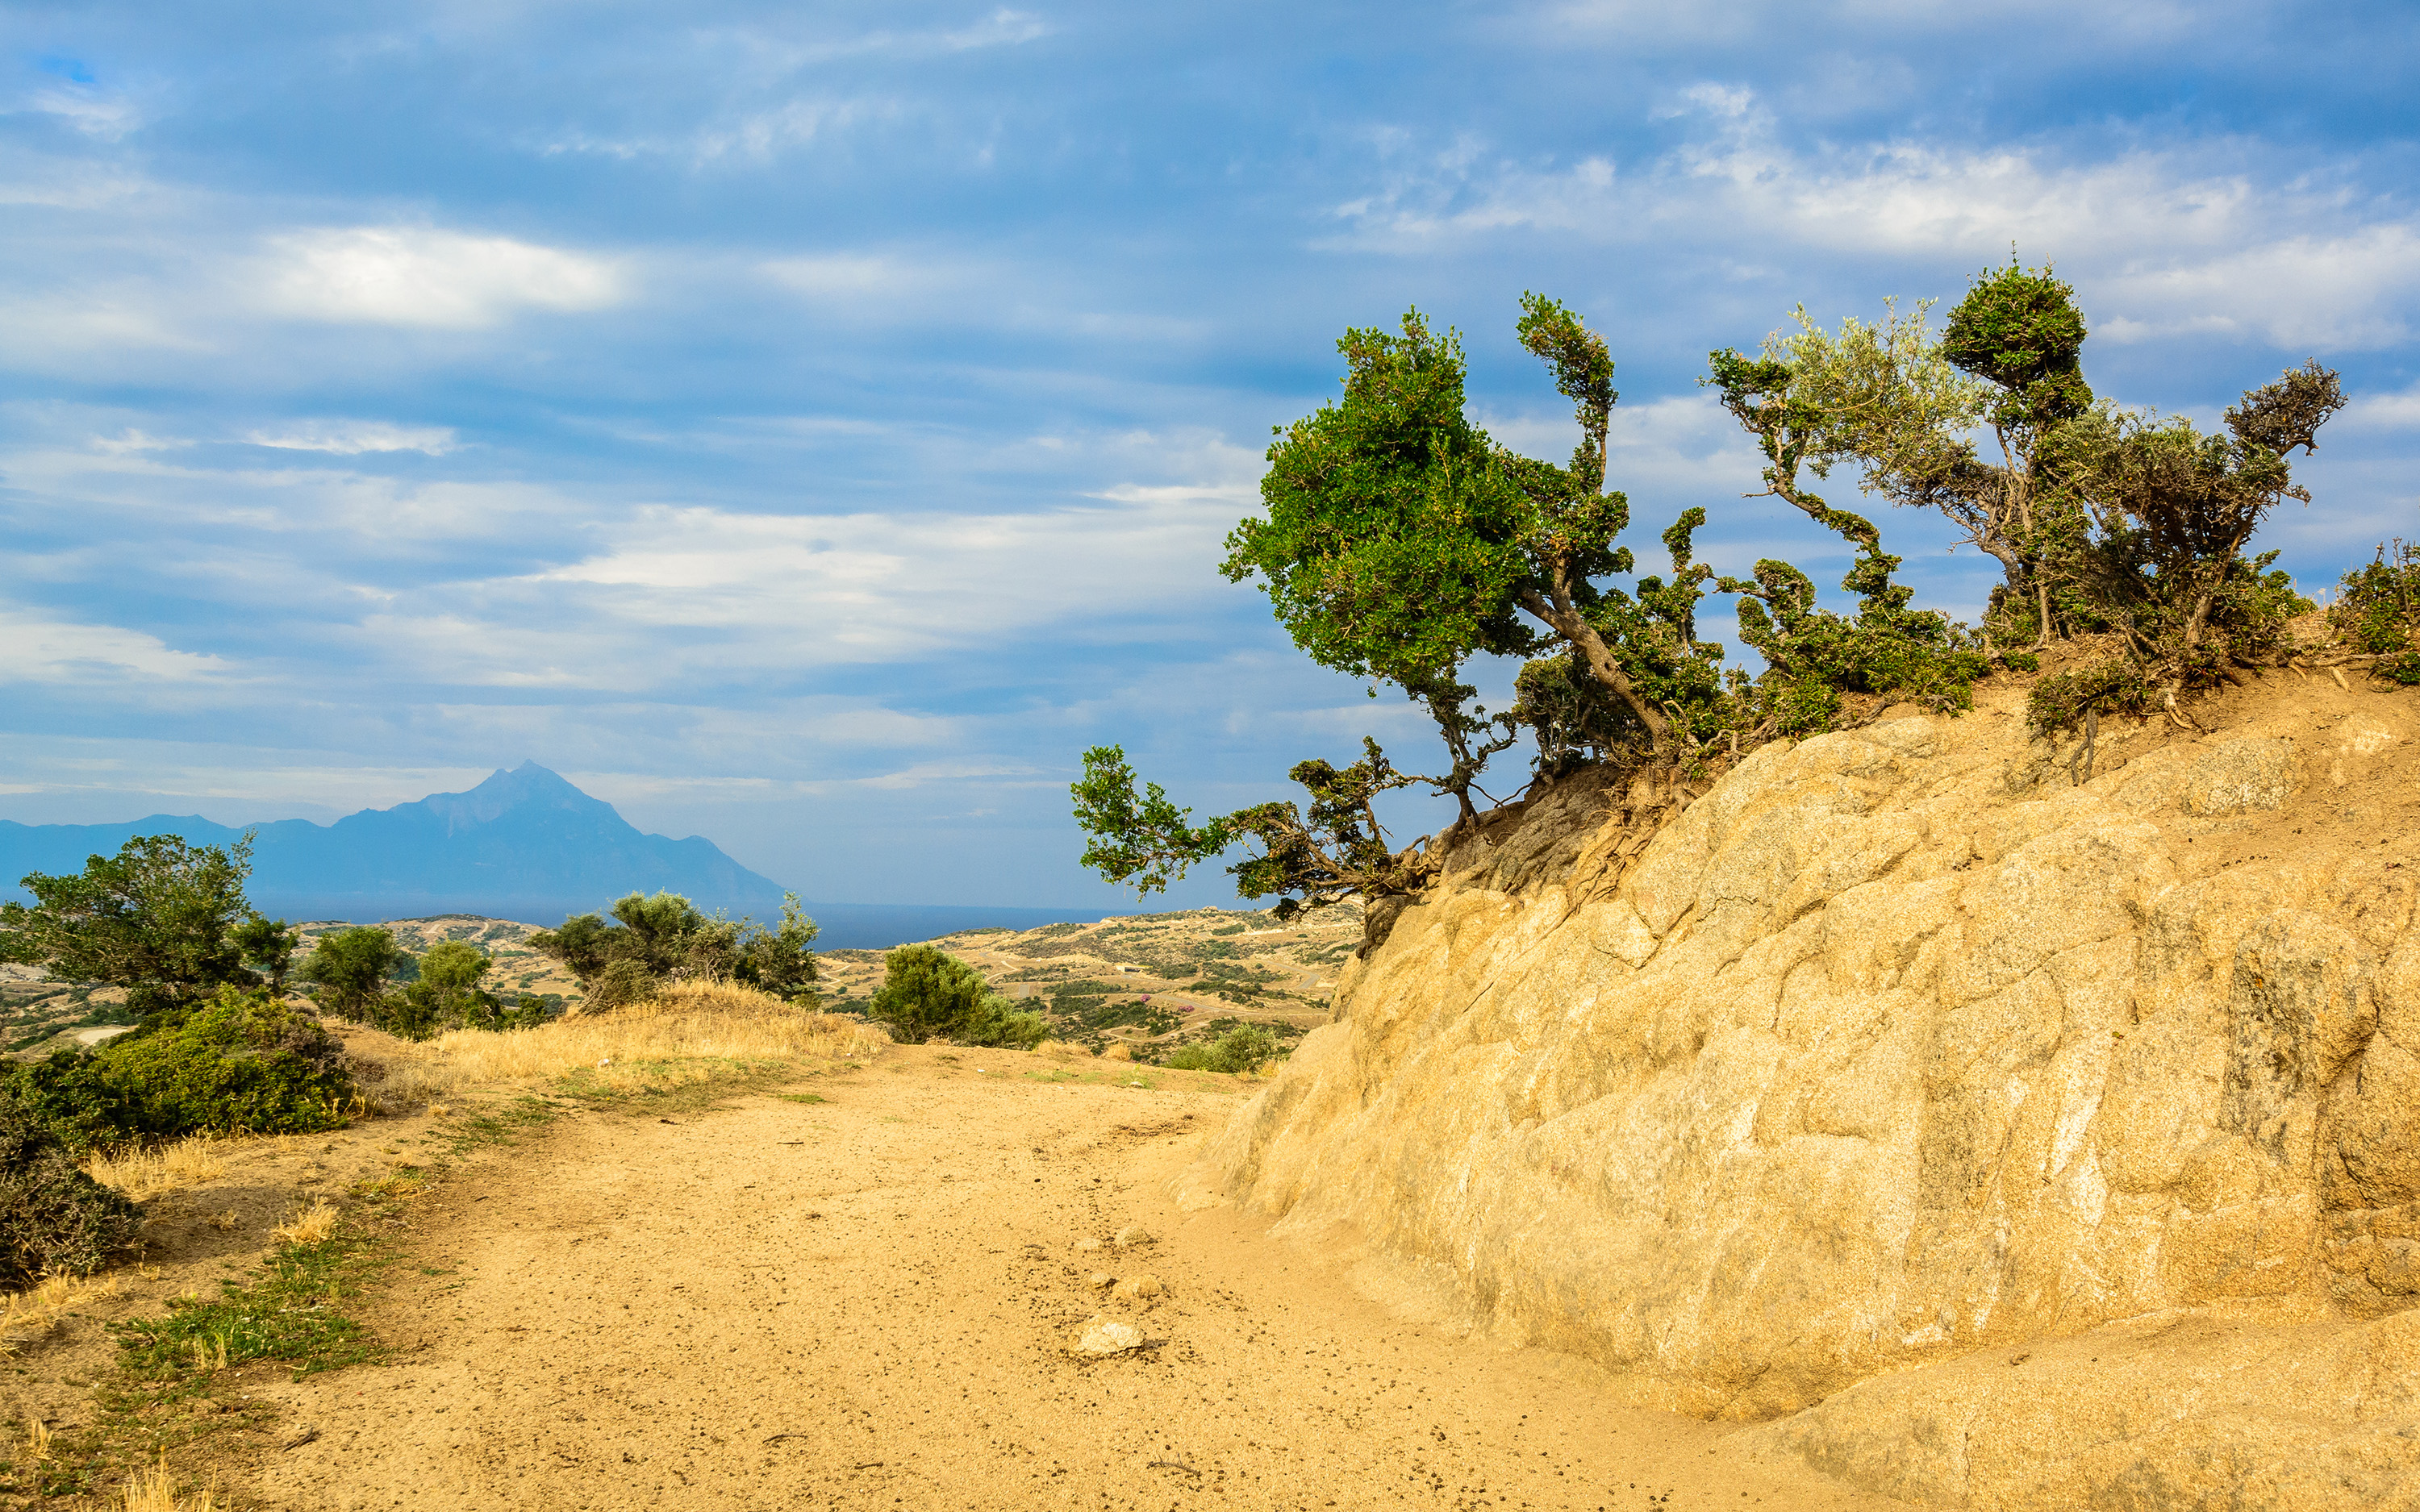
pixel 1938 1111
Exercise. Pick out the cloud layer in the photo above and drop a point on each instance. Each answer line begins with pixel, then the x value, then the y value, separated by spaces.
pixel 814 428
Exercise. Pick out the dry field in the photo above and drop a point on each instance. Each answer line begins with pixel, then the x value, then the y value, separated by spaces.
pixel 1148 982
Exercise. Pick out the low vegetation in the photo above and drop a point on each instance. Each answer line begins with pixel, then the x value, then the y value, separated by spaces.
pixel 656 941
pixel 54 1218
pixel 238 1062
pixel 689 1034
pixel 1400 545
pixel 1243 1049
pixel 926 994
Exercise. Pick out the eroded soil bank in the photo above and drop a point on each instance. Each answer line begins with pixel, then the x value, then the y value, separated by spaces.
pixel 868 1301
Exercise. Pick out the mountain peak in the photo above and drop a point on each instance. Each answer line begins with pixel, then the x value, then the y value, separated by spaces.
pixel 526 786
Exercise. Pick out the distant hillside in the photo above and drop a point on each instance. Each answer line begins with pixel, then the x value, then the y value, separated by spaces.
pixel 524 845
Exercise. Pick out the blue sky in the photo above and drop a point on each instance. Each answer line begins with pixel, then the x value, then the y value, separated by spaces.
pixel 813 427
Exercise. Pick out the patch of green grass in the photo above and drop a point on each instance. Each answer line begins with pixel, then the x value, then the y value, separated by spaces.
pixel 800 1097
pixel 499 1126
pixel 288 1311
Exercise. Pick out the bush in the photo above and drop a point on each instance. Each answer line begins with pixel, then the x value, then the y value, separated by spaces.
pixel 1247 1047
pixel 352 966
pixel 53 1216
pixel 663 938
pixel 239 1062
pixel 926 994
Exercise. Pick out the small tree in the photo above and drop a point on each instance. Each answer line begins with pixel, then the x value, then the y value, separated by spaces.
pixel 927 995
pixel 665 938
pixel 268 947
pixel 1798 419
pixel 160 919
pixel 352 967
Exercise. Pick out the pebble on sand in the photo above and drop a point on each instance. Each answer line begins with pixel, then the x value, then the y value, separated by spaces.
pixel 1104 1336
pixel 1141 1288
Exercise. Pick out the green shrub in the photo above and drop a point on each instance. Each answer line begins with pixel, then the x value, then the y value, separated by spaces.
pixel 240 1061
pixel 926 994
pixel 53 1216
pixel 352 968
pixel 1247 1047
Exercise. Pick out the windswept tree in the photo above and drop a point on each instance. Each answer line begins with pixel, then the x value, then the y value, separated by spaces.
pixel 160 919
pixel 1399 542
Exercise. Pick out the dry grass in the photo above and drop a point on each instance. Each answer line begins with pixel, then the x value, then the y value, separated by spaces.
pixel 27 1315
pixel 311 1225
pixel 675 1039
pixel 141 1173
pixel 155 1490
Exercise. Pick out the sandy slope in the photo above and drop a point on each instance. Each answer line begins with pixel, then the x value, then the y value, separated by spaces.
pixel 867 1304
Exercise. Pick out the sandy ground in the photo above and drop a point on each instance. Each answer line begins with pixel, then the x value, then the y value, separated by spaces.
pixel 867 1302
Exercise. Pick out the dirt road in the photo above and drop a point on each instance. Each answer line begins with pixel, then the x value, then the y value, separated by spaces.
pixel 866 1302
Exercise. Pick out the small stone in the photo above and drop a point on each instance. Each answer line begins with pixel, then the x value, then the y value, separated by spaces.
pixel 1141 1288
pixel 1086 1246
pixel 1130 1237
pixel 1099 1279
pixel 1104 1336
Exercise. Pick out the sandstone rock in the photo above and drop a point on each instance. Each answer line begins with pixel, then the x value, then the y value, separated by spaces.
pixel 1141 1288
pixel 1100 1281
pixel 1131 1236
pixel 1875 1059
pixel 2237 776
pixel 1089 1246
pixel 1104 1336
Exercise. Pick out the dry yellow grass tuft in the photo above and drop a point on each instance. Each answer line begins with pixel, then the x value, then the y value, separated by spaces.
pixel 141 1173
pixel 670 1040
pixel 27 1315
pixel 37 1440
pixel 155 1490
pixel 311 1225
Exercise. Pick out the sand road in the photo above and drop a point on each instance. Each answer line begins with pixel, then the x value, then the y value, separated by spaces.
pixel 865 1303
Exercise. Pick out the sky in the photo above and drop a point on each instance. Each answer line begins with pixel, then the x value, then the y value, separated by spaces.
pixel 813 427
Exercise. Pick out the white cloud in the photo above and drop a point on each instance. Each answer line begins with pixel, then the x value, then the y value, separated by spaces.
pixel 1684 445
pixel 95 113
pixel 2381 411
pixel 2157 243
pixel 848 277
pixel 351 438
pixel 43 650
pixel 415 276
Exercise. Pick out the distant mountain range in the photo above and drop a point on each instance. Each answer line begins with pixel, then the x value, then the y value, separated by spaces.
pixel 524 845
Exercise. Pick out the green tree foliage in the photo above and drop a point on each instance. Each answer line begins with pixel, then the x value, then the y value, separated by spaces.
pixel 160 919
pixel 1402 545
pixel 1245 1049
pixel 2102 519
pixel 662 938
pixel 445 993
pixel 1812 656
pixel 267 946
pixel 53 1218
pixel 2378 609
pixel 353 967
pixel 239 1060
pixel 927 995
pixel 1399 541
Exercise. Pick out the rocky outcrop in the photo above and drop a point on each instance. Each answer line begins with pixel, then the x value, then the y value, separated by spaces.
pixel 1939 1113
